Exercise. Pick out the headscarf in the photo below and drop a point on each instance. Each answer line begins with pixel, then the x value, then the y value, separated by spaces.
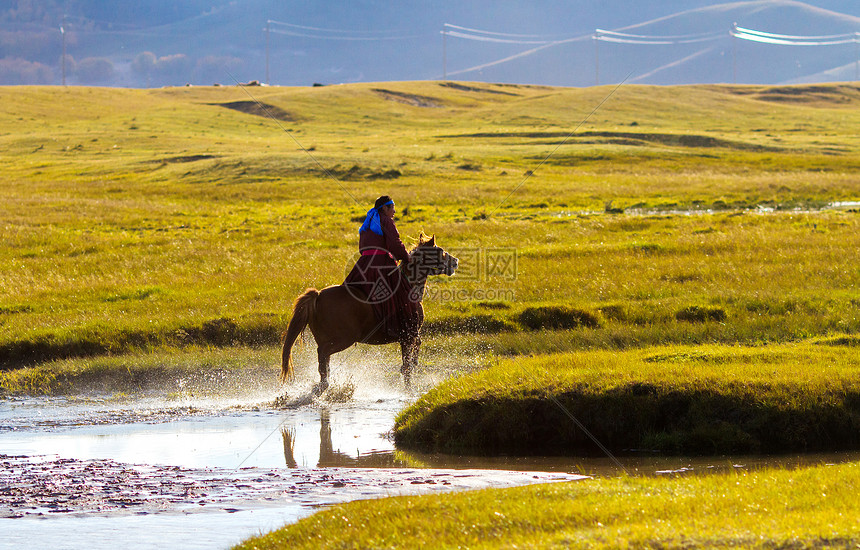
pixel 372 221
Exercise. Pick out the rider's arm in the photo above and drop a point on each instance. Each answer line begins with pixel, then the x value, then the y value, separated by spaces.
pixel 392 240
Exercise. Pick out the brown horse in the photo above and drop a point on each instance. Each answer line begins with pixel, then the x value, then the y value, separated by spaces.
pixel 338 317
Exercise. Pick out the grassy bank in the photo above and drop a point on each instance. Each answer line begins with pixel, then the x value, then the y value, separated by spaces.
pixel 136 219
pixel 684 400
pixel 805 508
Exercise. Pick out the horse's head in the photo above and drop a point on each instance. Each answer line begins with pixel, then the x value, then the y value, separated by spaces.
pixel 428 259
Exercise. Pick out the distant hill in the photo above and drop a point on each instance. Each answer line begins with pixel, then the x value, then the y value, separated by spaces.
pixel 159 42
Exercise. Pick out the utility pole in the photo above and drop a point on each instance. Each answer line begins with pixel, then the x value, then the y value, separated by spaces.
pixel 63 33
pixel 857 57
pixel 444 54
pixel 596 38
pixel 267 52
pixel 734 53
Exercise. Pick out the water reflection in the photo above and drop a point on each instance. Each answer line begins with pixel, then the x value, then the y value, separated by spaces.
pixel 348 435
pixel 636 465
pixel 374 450
pixel 332 457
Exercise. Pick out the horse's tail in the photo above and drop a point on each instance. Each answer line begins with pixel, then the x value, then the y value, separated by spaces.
pixel 303 313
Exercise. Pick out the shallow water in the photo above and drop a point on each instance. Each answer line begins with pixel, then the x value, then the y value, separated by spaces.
pixel 212 470
pixel 203 472
pixel 195 436
pixel 153 531
pixel 760 209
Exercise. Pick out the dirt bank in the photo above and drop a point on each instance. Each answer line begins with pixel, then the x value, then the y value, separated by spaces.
pixel 33 486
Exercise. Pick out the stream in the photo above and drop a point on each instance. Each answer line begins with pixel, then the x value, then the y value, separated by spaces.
pixel 142 472
pixel 210 470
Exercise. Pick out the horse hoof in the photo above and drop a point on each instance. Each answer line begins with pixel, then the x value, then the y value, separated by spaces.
pixel 319 389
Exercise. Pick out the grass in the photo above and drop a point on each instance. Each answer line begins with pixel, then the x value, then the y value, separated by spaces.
pixel 62 304
pixel 673 400
pixel 772 508
pixel 126 227
pixel 201 370
pixel 678 245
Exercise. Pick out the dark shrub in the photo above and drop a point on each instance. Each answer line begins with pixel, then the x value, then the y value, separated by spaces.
pixel 479 324
pixel 848 341
pixel 387 175
pixel 537 318
pixel 494 305
pixel 700 314
pixel 614 312
pixel 216 332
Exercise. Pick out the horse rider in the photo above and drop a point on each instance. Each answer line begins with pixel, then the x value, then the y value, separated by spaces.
pixel 376 275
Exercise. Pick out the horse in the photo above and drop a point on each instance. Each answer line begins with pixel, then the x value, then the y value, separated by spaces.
pixel 340 317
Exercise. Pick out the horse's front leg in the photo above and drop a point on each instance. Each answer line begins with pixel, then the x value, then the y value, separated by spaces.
pixel 409 349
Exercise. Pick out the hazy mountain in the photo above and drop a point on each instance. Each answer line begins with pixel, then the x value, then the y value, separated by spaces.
pixel 159 42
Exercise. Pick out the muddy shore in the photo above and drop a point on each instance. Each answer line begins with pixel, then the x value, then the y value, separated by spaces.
pixel 36 487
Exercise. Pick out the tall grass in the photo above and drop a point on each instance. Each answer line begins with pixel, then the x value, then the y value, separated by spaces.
pixel 682 400
pixel 132 216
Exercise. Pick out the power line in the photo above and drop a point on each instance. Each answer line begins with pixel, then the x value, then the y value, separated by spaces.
pixel 497 37
pixel 537 43
pixel 625 38
pixel 328 30
pixel 657 36
pixel 320 33
pixel 493 33
pixel 346 38
pixel 479 38
pixel 794 40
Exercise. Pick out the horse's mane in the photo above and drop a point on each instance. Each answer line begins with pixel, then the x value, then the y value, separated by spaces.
pixel 424 240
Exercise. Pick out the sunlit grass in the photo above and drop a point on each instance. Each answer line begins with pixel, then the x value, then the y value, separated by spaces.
pixel 685 400
pixel 136 223
pixel 808 508
pixel 151 220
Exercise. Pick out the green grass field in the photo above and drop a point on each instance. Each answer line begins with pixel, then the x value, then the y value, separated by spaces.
pixel 140 218
pixel 690 400
pixel 677 246
pixel 806 508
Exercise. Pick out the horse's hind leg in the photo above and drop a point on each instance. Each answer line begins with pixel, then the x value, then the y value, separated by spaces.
pixel 323 357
